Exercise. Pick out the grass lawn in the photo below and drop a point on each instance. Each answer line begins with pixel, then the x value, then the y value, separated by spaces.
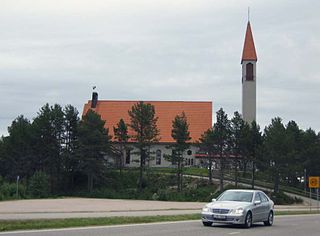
pixel 8 225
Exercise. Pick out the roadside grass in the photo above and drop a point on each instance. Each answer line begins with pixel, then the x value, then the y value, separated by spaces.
pixel 11 225
pixel 302 212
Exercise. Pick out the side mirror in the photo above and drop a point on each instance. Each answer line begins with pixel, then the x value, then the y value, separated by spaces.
pixel 257 202
pixel 214 200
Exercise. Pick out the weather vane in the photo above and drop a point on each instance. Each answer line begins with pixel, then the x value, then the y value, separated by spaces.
pixel 248 14
pixel 94 87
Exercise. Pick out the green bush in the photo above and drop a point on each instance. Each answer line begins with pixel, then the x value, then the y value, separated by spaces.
pixel 157 186
pixel 39 185
pixel 9 190
pixel 283 199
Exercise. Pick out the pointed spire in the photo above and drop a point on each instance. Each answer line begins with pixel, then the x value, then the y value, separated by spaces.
pixel 249 50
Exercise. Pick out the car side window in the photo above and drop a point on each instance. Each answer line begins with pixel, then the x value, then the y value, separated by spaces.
pixel 257 197
pixel 263 197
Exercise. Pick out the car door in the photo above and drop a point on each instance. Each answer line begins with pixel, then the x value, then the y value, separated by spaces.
pixel 257 209
pixel 265 206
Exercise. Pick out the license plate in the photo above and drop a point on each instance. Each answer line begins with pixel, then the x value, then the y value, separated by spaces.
pixel 219 217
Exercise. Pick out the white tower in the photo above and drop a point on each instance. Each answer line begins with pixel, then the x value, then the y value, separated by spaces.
pixel 248 62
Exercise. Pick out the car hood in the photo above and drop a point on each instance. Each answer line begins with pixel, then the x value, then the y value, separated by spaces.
pixel 228 204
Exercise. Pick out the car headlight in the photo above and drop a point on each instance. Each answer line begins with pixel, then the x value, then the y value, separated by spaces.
pixel 238 211
pixel 206 209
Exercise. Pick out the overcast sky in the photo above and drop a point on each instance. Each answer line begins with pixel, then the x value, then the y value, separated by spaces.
pixel 54 51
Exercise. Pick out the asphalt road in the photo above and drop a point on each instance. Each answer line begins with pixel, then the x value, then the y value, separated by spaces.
pixel 284 226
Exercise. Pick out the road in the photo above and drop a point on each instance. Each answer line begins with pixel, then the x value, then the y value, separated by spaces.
pixel 284 226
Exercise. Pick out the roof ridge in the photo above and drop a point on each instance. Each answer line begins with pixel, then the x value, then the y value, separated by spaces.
pixel 107 100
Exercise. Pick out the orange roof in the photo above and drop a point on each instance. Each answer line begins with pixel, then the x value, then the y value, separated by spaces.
pixel 249 51
pixel 199 115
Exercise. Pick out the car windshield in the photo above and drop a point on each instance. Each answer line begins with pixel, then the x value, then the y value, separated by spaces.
pixel 237 196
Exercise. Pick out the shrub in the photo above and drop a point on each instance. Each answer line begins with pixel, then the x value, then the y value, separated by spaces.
pixel 39 185
pixel 283 199
pixel 9 190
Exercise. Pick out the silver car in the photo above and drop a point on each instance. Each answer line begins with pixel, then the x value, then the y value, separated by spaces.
pixel 238 206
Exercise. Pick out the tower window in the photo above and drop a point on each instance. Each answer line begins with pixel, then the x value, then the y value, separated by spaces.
pixel 249 71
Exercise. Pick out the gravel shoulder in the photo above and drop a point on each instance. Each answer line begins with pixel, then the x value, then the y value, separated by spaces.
pixel 91 207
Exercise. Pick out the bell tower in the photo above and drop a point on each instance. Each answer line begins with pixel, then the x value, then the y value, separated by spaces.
pixel 248 62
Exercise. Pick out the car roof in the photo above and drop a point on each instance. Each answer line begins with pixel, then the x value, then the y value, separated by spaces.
pixel 244 190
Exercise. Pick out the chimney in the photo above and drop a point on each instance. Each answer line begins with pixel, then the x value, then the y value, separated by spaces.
pixel 94 100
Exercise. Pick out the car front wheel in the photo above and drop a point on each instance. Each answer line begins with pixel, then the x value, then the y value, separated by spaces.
pixel 248 220
pixel 269 222
pixel 206 223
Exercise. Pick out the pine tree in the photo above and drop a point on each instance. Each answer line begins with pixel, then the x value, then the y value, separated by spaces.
pixel 310 152
pixel 208 145
pixel 48 140
pixel 180 133
pixel 71 144
pixel 276 149
pixel 143 123
pixel 222 132
pixel 17 149
pixel 237 125
pixel 254 148
pixel 122 137
pixel 94 145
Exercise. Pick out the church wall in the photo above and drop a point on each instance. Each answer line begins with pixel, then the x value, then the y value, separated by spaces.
pixel 189 156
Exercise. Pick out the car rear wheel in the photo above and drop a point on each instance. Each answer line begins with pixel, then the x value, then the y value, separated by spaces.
pixel 206 223
pixel 269 222
pixel 248 220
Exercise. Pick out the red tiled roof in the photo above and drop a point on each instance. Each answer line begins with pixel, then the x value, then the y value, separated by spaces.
pixel 199 115
pixel 249 51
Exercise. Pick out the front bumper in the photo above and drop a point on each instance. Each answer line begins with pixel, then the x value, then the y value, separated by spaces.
pixel 222 218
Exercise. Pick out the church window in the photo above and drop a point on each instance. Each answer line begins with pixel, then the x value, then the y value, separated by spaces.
pixel 158 157
pixel 128 157
pixel 173 157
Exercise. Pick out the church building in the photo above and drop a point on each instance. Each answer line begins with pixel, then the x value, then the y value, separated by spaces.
pixel 199 114
pixel 199 117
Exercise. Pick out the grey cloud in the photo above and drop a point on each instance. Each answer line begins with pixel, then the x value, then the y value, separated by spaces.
pixel 181 50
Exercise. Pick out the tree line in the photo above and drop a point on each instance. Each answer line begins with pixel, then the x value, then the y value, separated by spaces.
pixel 56 145
pixel 283 152
pixel 68 150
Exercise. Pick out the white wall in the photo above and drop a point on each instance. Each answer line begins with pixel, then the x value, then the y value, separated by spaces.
pixel 248 94
pixel 165 150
